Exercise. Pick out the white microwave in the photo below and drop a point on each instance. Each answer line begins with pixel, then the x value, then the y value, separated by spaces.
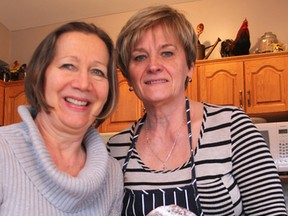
pixel 276 136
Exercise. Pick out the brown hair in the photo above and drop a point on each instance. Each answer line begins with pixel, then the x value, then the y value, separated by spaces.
pixel 43 56
pixel 149 17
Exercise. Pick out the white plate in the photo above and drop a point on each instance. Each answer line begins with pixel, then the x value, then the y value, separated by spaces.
pixel 171 210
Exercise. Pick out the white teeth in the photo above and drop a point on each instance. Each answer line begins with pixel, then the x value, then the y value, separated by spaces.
pixel 156 81
pixel 77 102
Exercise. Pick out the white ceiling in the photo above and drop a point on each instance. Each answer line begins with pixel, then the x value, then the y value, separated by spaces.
pixel 23 14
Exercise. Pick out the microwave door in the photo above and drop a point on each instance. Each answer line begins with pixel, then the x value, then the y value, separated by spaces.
pixel 277 151
pixel 276 137
pixel 273 147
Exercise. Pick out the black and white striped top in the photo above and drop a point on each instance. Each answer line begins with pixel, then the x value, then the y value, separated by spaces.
pixel 235 172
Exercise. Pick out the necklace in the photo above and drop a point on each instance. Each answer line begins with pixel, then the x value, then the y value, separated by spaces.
pixel 164 162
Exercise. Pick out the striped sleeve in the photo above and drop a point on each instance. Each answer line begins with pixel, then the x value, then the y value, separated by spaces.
pixel 254 169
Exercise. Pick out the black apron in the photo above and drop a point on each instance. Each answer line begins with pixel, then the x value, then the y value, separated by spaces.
pixel 141 202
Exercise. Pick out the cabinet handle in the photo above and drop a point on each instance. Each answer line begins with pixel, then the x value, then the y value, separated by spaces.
pixel 241 99
pixel 249 99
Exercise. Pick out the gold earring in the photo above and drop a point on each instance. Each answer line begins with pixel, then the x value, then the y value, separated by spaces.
pixel 130 88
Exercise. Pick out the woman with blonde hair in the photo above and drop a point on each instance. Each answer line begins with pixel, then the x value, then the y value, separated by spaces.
pixel 183 155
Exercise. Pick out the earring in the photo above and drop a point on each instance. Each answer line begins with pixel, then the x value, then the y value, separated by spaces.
pixel 189 79
pixel 130 88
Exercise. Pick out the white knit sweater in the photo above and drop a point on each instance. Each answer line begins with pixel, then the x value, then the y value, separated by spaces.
pixel 31 184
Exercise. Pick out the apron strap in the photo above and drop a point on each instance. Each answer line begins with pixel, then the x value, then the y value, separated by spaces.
pixel 193 172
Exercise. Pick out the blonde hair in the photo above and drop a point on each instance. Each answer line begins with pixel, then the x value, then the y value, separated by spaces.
pixel 170 19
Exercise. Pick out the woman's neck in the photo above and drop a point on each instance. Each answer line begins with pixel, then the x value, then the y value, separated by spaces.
pixel 65 148
pixel 165 114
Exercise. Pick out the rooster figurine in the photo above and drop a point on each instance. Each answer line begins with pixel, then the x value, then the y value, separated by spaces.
pixel 240 46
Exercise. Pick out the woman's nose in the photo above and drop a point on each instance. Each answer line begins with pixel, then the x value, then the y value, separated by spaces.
pixel 82 80
pixel 154 65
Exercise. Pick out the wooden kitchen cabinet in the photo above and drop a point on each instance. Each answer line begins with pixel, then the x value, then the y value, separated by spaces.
pixel 258 83
pixel 12 95
pixel 128 109
pixel 266 81
pixel 221 83
pixel 2 95
pixel 192 88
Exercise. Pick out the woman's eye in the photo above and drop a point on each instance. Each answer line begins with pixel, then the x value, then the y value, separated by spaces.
pixel 68 66
pixel 140 58
pixel 98 73
pixel 167 53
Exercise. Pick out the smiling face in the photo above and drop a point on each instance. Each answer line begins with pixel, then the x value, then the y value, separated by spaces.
pixel 158 66
pixel 76 80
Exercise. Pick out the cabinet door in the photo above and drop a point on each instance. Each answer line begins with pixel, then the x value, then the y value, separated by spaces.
pixel 192 88
pixel 266 85
pixel 221 83
pixel 128 109
pixel 2 87
pixel 14 96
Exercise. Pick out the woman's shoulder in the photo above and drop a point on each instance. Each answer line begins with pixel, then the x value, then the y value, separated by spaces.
pixel 122 136
pixel 11 132
pixel 114 168
pixel 204 111
pixel 199 107
pixel 118 144
pixel 214 107
pixel 221 110
pixel 214 115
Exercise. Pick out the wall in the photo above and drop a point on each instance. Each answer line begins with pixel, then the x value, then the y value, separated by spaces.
pixel 222 18
pixel 4 44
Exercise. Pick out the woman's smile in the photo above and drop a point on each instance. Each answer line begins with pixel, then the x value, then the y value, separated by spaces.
pixel 156 81
pixel 76 102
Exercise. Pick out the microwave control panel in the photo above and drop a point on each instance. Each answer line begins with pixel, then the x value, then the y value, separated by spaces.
pixel 283 145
